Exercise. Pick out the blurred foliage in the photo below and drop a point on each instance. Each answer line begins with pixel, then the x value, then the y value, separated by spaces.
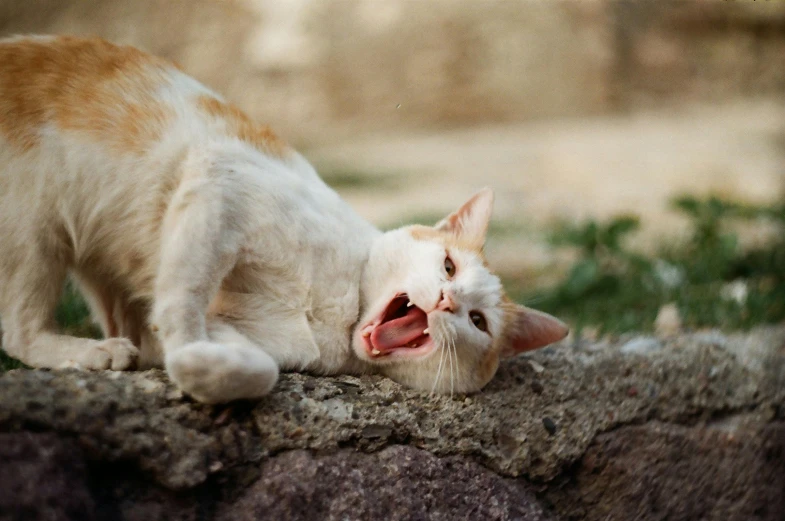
pixel 7 363
pixel 73 317
pixel 343 179
pixel 709 277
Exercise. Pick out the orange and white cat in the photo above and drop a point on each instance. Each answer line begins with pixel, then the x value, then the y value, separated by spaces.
pixel 206 245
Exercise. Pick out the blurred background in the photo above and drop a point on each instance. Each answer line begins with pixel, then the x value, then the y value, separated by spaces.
pixel 637 149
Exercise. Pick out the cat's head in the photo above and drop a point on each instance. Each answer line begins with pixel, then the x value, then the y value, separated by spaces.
pixel 435 316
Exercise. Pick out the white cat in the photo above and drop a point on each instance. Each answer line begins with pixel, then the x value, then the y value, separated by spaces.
pixel 204 244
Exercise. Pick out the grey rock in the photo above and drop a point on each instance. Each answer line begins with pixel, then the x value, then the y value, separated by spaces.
pixel 399 482
pixel 661 471
pixel 43 477
pixel 641 345
pixel 141 450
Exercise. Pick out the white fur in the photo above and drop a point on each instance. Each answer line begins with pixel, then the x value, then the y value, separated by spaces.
pixel 255 265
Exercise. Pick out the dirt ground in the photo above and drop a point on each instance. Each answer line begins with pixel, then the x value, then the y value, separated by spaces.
pixel 567 169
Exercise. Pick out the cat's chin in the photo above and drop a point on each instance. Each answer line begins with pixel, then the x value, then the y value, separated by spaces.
pixel 399 332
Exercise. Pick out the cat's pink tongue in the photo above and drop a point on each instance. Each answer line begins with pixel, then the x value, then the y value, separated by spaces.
pixel 399 332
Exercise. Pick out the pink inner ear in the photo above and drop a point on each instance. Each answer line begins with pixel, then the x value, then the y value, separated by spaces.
pixel 470 221
pixel 451 222
pixel 531 329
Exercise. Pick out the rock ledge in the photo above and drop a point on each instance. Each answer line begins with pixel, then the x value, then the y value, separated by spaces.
pixel 571 432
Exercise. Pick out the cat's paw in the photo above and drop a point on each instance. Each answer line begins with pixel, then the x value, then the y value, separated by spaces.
pixel 117 354
pixel 218 373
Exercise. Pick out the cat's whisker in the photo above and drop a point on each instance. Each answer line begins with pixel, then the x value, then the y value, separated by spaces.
pixel 439 370
pixel 452 375
pixel 457 366
pixel 457 361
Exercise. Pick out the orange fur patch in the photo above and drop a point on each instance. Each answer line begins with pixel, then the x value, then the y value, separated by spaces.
pixel 510 310
pixel 241 126
pixel 87 85
pixel 449 240
pixel 489 365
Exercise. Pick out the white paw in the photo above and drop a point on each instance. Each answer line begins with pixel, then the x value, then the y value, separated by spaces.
pixel 113 353
pixel 216 373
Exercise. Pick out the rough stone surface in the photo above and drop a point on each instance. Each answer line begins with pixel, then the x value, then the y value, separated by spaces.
pixel 570 432
pixel 399 482
pixel 661 471
pixel 43 477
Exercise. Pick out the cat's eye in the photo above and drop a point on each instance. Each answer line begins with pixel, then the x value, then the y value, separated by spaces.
pixel 449 267
pixel 478 319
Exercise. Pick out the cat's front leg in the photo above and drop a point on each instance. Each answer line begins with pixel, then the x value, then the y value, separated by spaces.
pixel 281 330
pixel 203 231
pixel 225 368
pixel 32 286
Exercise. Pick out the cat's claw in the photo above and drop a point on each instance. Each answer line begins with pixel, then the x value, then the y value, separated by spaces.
pixel 117 354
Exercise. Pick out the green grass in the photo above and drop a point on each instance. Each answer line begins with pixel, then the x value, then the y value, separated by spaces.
pixel 614 289
pixel 342 178
pixel 73 317
pixel 7 363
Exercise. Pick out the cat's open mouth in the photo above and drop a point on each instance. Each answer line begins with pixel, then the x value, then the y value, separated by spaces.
pixel 401 326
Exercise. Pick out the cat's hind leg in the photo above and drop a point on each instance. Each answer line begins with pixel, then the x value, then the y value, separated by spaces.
pixel 31 289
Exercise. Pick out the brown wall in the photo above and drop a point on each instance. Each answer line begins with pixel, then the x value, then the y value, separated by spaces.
pixel 319 69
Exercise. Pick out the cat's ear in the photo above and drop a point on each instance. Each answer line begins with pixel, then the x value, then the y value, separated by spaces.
pixel 470 221
pixel 527 329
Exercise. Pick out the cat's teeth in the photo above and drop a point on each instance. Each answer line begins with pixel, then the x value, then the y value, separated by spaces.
pixel 368 330
pixel 425 331
pixel 376 352
pixel 409 304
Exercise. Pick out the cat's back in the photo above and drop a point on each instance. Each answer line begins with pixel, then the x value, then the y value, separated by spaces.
pixel 100 125
pixel 117 97
pixel 90 87
pixel 94 141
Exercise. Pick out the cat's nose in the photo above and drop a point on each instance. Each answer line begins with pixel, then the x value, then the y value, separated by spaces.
pixel 446 303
